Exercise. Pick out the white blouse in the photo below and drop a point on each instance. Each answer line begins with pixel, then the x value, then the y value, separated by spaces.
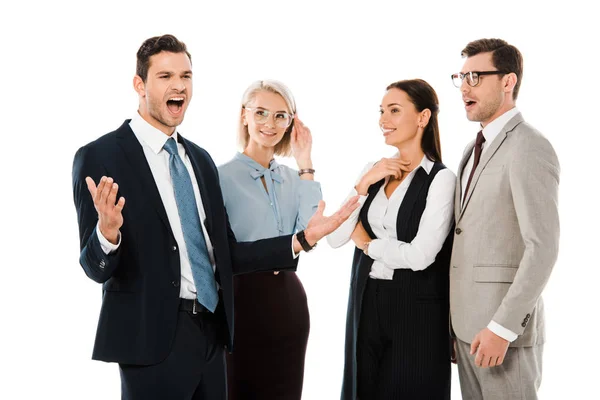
pixel 387 251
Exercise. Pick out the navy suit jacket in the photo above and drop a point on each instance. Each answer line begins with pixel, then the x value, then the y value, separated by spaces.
pixel 141 279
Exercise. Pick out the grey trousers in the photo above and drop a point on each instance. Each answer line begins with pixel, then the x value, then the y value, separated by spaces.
pixel 518 378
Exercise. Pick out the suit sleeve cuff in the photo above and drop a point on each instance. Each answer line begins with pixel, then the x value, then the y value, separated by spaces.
pixel 294 255
pixel 501 331
pixel 108 247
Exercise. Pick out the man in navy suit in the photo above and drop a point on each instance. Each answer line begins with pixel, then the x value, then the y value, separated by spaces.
pixel 167 259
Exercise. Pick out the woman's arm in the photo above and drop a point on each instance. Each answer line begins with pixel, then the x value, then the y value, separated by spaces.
pixel 434 227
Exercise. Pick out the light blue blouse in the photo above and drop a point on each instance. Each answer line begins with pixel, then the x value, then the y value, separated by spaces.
pixel 257 214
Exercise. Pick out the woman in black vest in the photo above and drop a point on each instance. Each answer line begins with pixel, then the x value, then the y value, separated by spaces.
pixel 397 328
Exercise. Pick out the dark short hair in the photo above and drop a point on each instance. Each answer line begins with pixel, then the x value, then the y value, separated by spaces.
pixel 153 46
pixel 422 95
pixel 506 57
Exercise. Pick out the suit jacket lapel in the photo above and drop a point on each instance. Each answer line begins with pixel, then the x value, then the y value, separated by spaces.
pixel 487 156
pixel 199 164
pixel 135 154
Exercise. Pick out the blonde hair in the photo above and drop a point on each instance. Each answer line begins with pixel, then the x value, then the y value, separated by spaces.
pixel 284 147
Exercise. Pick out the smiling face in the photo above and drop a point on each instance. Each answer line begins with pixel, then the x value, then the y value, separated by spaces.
pixel 399 121
pixel 492 96
pixel 167 92
pixel 266 134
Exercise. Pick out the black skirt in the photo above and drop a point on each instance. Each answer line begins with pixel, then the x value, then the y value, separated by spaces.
pixel 271 332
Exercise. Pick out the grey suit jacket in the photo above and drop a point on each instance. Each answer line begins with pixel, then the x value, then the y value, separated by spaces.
pixel 506 236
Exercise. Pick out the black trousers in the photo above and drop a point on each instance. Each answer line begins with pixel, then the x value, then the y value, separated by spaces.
pixel 403 346
pixel 193 370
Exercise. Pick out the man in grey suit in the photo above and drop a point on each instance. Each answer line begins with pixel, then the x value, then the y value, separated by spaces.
pixel 506 235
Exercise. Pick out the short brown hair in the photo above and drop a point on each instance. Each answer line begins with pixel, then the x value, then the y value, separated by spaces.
pixel 506 57
pixel 153 46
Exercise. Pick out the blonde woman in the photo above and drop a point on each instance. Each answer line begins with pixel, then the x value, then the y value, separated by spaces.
pixel 265 199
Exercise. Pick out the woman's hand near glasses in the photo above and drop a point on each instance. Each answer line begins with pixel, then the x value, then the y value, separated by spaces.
pixel 302 146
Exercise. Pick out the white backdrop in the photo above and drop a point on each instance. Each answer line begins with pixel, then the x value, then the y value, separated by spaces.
pixel 66 78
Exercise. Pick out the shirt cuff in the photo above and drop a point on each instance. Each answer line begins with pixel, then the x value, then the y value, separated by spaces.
pixel 501 331
pixel 376 249
pixel 294 255
pixel 108 247
pixel 361 197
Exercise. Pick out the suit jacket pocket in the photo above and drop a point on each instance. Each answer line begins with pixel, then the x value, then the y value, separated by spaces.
pixel 494 273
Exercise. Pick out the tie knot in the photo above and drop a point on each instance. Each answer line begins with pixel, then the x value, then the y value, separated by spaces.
pixel 480 138
pixel 171 147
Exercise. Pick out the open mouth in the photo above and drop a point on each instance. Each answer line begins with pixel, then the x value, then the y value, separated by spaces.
pixel 269 134
pixel 469 104
pixel 175 105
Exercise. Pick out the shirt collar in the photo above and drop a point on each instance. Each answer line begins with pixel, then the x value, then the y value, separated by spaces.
pixel 258 170
pixel 151 136
pixel 426 163
pixel 493 128
pixel 251 163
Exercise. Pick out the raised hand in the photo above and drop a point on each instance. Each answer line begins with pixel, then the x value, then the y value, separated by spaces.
pixel 301 144
pixel 110 217
pixel 385 167
pixel 319 225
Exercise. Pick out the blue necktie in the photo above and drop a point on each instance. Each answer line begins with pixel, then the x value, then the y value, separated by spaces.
pixel 204 277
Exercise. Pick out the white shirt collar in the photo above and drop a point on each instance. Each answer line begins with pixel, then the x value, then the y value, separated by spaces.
pixel 153 137
pixel 493 128
pixel 426 163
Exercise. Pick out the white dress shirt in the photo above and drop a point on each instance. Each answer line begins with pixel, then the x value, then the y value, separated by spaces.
pixel 152 141
pixel 490 132
pixel 387 251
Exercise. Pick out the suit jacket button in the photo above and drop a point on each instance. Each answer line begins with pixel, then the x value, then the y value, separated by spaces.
pixel 174 248
pixel 528 316
pixel 524 324
pixel 458 231
pixel 175 283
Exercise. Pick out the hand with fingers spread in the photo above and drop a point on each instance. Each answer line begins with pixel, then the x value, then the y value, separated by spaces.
pixel 110 217
pixel 301 144
pixel 394 167
pixel 319 225
pixel 490 349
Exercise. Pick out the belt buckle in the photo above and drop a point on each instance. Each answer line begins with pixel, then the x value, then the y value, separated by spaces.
pixel 194 307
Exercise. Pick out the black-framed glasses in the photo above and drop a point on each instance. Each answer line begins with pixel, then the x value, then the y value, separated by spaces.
pixel 472 77
pixel 281 119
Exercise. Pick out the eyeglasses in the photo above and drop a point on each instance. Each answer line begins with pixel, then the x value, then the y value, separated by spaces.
pixel 280 118
pixel 472 77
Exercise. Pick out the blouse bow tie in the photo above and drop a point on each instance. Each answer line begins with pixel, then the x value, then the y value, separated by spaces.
pixel 268 171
